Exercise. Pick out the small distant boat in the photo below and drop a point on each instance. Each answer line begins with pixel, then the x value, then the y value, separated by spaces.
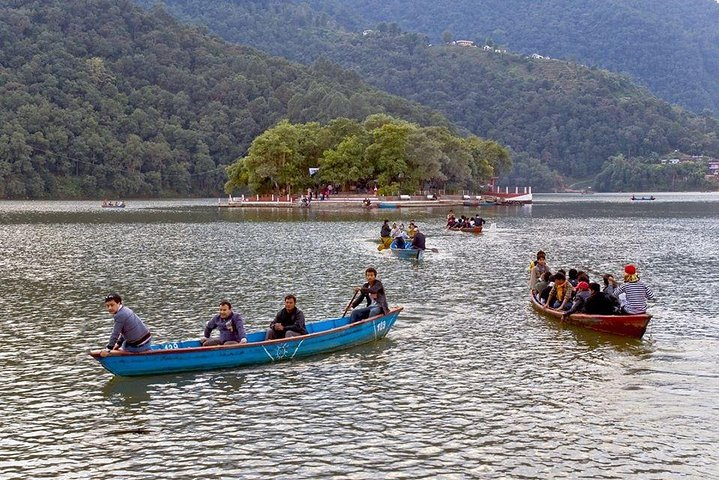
pixel 642 198
pixel 466 229
pixel 407 251
pixel 186 356
pixel 625 325
pixel 113 204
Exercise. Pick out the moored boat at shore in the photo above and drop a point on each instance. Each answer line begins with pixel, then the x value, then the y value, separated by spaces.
pixel 185 356
pixel 625 325
pixel 634 199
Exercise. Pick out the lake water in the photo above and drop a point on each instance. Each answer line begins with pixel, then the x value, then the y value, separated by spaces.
pixel 470 383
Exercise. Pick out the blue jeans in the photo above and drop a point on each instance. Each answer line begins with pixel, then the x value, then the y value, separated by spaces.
pixel 142 348
pixel 365 312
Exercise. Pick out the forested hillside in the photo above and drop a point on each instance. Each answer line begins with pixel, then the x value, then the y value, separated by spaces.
pixel 101 98
pixel 557 116
pixel 670 46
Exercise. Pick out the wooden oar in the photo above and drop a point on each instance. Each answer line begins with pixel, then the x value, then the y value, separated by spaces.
pixel 350 304
pixel 433 250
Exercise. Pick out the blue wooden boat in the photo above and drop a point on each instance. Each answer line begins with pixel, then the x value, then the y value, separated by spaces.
pixel 186 356
pixel 407 251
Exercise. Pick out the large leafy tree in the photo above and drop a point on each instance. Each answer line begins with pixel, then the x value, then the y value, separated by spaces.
pixel 397 155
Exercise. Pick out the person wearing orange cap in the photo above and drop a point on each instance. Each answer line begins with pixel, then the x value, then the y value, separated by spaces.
pixel 636 291
pixel 580 298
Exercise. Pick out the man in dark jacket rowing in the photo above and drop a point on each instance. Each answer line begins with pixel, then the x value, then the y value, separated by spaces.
pixel 230 324
pixel 373 293
pixel 418 242
pixel 128 333
pixel 289 322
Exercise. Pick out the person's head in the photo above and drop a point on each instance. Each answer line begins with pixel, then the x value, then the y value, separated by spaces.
pixel 225 309
pixel 573 273
pixel 370 274
pixel 582 277
pixel 386 221
pixel 630 273
pixel 113 303
pixel 594 287
pixel 582 286
pixel 541 261
pixel 608 278
pixel 559 278
pixel 394 224
pixel 546 276
pixel 290 302
pixel 540 254
pixel 563 272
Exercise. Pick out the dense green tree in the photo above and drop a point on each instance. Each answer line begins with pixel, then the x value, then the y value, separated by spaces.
pixel 395 155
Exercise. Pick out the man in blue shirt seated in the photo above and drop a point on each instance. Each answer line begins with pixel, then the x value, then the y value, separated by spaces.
pixel 129 334
pixel 230 324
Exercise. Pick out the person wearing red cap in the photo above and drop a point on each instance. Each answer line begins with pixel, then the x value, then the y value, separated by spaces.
pixel 636 291
pixel 580 299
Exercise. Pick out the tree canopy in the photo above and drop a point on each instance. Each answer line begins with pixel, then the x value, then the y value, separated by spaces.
pixel 395 155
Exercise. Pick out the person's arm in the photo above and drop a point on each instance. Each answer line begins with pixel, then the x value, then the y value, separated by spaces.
pixel 276 322
pixel 115 335
pixel 551 297
pixel 209 326
pixel 240 328
pixel 567 296
pixel 299 323
pixel 577 306
pixel 648 292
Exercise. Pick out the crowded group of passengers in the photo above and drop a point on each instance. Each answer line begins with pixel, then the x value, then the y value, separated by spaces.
pixel 572 291
pixel 399 237
pixel 130 334
pixel 464 221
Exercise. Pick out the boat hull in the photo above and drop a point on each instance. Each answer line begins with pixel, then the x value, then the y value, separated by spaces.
pixel 407 252
pixel 186 356
pixel 466 229
pixel 625 325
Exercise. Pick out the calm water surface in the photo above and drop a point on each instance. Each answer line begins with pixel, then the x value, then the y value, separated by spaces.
pixel 470 383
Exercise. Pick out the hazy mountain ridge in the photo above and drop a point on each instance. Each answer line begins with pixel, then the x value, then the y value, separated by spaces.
pixel 671 47
pixel 567 117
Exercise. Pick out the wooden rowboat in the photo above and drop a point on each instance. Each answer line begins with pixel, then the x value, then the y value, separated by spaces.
pixel 466 229
pixel 185 356
pixel 625 325
pixel 407 251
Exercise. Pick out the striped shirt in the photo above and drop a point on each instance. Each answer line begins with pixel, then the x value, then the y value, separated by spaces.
pixel 637 294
